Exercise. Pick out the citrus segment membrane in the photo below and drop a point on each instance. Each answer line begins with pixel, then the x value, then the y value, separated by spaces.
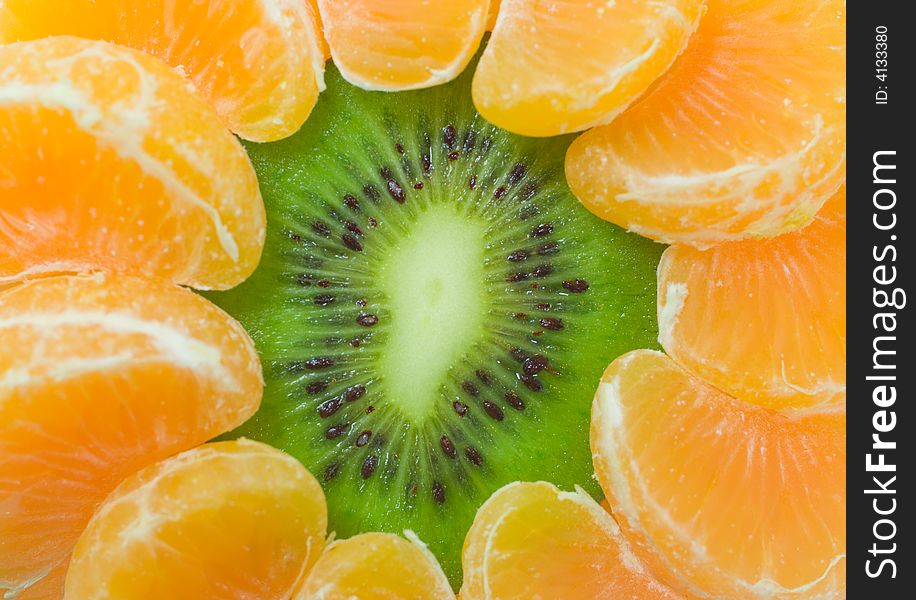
pixel 549 68
pixel 224 520
pixel 103 375
pixel 721 498
pixel 110 161
pixel 258 62
pixel 744 137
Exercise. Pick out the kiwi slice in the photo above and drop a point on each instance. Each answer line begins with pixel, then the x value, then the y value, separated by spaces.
pixel 433 309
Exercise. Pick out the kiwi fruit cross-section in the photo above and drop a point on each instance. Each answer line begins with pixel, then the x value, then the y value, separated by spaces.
pixel 433 309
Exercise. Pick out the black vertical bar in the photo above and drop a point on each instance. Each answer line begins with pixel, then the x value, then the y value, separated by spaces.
pixel 880 67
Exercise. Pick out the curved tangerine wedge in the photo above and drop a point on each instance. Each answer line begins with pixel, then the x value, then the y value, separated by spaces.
pixel 764 320
pixel 721 498
pixel 531 540
pixel 112 162
pixel 258 62
pixel 374 566
pixel 410 44
pixel 100 376
pixel 226 520
pixel 745 135
pixel 549 69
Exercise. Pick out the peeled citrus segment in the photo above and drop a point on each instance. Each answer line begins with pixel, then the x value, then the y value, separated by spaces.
pixel 493 15
pixel 226 520
pixel 531 540
pixel 376 566
pixel 110 161
pixel 721 498
pixel 258 62
pixel 764 320
pixel 100 376
pixel 549 67
pixel 745 135
pixel 384 45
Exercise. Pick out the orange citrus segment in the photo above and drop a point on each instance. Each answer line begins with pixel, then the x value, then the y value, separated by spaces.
pixel 376 566
pixel 227 520
pixel 554 67
pixel 721 498
pixel 494 14
pixel 531 540
pixel 319 27
pixel 384 45
pixel 100 376
pixel 110 161
pixel 745 135
pixel 258 62
pixel 764 320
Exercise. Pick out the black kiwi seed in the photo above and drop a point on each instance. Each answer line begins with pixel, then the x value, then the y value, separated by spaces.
pixel 448 447
pixel 371 192
pixel 548 249
pixel 323 299
pixel 438 492
pixel 576 286
pixel 353 228
pixel 335 431
pixel 351 242
pixel 514 400
pixel 542 270
pixel 535 364
pixel 317 363
pixel 433 309
pixel 469 387
pixel 316 387
pixel 494 411
pixel 329 407
pixel 552 323
pixel 542 230
pixel 369 466
pixel 367 320
pixel 531 382
pixel 449 136
pixel 518 171
pixel 351 202
pixel 354 393
pixel 473 455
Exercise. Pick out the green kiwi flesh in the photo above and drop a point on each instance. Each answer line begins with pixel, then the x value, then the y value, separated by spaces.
pixel 433 310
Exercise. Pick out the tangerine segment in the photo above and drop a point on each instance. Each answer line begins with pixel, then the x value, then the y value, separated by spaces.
pixel 493 14
pixel 228 520
pixel 549 69
pixel 764 320
pixel 100 376
pixel 410 44
pixel 721 498
pixel 376 566
pixel 531 540
pixel 110 161
pixel 258 62
pixel 745 136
